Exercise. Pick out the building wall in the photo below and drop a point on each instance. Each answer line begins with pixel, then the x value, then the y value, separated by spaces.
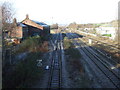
pixel 17 32
pixel 46 30
pixel 25 32
pixel 34 31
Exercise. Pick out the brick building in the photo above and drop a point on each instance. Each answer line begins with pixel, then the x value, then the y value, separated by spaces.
pixel 35 27
pixel 28 28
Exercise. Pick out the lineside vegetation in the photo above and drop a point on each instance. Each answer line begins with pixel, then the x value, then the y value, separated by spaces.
pixel 25 72
pixel 74 66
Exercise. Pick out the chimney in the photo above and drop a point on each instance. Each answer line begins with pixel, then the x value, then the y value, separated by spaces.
pixel 27 16
pixel 15 21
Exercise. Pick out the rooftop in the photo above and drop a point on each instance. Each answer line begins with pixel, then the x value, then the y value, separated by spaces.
pixel 21 24
pixel 40 23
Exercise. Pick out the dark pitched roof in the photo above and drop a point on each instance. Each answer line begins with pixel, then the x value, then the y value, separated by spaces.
pixel 41 23
pixel 21 24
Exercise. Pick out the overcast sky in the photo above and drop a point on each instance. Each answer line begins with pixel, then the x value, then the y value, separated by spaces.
pixel 66 11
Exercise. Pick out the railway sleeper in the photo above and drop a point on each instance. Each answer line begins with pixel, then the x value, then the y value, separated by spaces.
pixel 56 67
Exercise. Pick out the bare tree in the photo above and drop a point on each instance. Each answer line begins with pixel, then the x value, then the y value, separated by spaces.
pixel 54 26
pixel 7 16
pixel 73 25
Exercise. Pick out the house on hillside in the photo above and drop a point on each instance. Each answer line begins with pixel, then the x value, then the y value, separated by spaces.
pixel 28 28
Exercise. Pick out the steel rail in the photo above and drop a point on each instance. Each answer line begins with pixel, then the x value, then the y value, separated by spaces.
pixel 91 56
pixel 55 69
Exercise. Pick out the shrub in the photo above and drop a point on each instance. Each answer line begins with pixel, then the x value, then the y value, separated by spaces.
pixel 30 44
pixel 25 72
pixel 73 53
pixel 67 43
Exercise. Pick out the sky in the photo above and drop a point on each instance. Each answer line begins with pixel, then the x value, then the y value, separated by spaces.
pixel 66 11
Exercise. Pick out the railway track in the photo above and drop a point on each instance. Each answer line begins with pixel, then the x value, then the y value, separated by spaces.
pixel 100 63
pixel 114 46
pixel 103 53
pixel 55 76
pixel 111 47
